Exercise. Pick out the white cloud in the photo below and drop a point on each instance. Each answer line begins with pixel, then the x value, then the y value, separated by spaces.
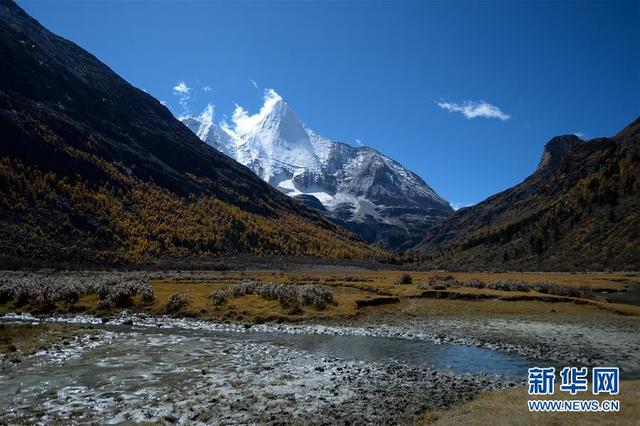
pixel 207 88
pixel 580 135
pixel 474 109
pixel 163 103
pixel 458 206
pixel 359 142
pixel 253 82
pixel 182 89
pixel 242 122
pixel 183 92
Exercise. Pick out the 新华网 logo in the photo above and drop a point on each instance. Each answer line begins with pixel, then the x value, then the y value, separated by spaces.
pixel 574 380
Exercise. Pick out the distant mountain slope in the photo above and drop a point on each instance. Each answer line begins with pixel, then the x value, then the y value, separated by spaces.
pixel 93 169
pixel 580 210
pixel 359 187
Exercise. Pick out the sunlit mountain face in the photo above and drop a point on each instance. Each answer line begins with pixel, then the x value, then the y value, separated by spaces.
pixel 360 187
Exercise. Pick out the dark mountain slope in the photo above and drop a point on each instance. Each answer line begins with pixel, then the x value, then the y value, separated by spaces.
pixel 580 210
pixel 93 169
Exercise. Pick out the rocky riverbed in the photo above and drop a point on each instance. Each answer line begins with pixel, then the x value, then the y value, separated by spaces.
pixel 134 368
pixel 159 374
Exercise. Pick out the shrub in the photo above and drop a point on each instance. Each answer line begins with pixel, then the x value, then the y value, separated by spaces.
pixel 442 284
pixel 287 295
pixel 271 291
pixel 6 293
pixel 121 295
pixel 555 289
pixel 474 283
pixel 102 290
pixel 318 297
pixel 21 294
pixel 218 297
pixel 176 302
pixel 147 294
pixel 45 290
pixel 242 289
pixel 145 290
pixel 70 296
pixel 290 296
pixel 404 279
pixel 509 285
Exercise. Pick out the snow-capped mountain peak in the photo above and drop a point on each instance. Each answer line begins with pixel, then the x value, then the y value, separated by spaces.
pixel 357 185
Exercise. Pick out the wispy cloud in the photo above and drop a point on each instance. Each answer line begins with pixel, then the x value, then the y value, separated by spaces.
pixel 458 206
pixel 182 89
pixel 207 88
pixel 475 109
pixel 183 92
pixel 359 142
pixel 253 82
pixel 581 135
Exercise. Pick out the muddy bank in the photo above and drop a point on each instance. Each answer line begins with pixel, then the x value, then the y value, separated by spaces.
pixel 24 339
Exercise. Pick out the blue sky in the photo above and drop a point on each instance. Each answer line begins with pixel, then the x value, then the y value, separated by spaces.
pixel 393 75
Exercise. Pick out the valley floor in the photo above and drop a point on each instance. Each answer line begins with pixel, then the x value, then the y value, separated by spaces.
pixel 251 359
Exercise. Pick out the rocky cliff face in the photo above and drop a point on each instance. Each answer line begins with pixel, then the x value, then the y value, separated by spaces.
pixel 555 150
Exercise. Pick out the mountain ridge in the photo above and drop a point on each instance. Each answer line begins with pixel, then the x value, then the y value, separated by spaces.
pixel 359 187
pixel 576 211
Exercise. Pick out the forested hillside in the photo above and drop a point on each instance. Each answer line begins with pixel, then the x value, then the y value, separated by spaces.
pixel 94 170
pixel 580 210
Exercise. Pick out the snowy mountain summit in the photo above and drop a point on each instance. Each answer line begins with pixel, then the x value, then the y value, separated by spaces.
pixel 359 187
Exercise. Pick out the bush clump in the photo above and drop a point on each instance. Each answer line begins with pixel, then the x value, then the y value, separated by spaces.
pixel 46 290
pixel 218 297
pixel 242 289
pixel 121 295
pixel 405 279
pixel 442 284
pixel 509 285
pixel 290 296
pixel 474 283
pixel 177 301
pixel 312 295
pixel 6 292
pixel 555 289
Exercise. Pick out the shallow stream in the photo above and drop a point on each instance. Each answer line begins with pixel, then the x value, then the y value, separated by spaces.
pixel 143 372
